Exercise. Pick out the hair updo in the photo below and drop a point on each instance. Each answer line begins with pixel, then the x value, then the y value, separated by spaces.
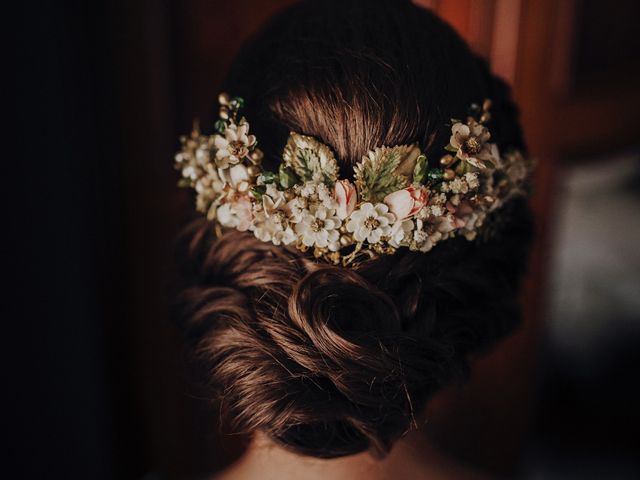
pixel 326 360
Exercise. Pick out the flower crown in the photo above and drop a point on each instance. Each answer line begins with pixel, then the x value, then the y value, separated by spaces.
pixel 396 199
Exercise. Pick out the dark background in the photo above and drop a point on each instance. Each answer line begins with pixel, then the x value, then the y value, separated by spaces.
pixel 98 93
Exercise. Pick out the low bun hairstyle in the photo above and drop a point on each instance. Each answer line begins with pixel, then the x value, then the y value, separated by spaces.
pixel 331 361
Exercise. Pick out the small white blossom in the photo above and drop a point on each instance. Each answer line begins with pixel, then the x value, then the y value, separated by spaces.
pixel 273 228
pixel 273 200
pixel 438 199
pixel 203 155
pixel 458 185
pixel 471 143
pixel 472 180
pixel 325 196
pixel 319 227
pixel 296 208
pixel 234 145
pixel 370 222
pixel 234 176
pixel 316 193
pixel 271 218
pixel 308 190
pixel 400 234
pixel 235 214
pixel 208 187
pixel 190 172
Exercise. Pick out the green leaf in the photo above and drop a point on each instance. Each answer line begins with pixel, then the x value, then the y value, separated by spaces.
pixel 451 148
pixel 184 183
pixel 420 170
pixel 310 159
pixel 268 177
pixel 377 174
pixel 287 178
pixel 435 175
pixel 220 126
pixel 236 103
pixel 258 191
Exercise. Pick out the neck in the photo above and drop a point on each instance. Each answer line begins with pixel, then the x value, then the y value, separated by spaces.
pixel 413 457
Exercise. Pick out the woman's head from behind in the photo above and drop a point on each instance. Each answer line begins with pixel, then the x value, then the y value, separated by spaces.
pixel 331 360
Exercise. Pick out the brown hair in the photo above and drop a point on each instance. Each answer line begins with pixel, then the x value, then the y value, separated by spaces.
pixel 332 361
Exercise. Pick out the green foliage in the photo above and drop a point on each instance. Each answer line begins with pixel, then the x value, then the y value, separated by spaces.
pixel 287 178
pixel 451 148
pixel 236 103
pixel 420 170
pixel 185 183
pixel 268 177
pixel 376 175
pixel 258 191
pixel 220 126
pixel 435 175
pixel 310 159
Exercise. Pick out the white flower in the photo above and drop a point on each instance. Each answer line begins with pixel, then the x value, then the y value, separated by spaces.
pixel 316 193
pixel 271 218
pixel 470 141
pixel 236 214
pixel 208 187
pixel 458 185
pixel 234 145
pixel 234 176
pixel 370 222
pixel 308 190
pixel 516 167
pixel 472 180
pixel 400 234
pixel 424 238
pixel 273 228
pixel 325 197
pixel 438 199
pixel 190 172
pixel 203 155
pixel 319 227
pixel 429 232
pixel 273 200
pixel 470 223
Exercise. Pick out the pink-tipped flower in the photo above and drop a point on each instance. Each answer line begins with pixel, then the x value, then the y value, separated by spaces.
pixel 407 202
pixel 345 194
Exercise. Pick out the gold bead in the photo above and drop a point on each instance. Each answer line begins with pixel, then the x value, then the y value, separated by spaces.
pixel 243 187
pixel 485 117
pixel 449 174
pixel 253 170
pixel 343 229
pixel 446 160
pixel 223 99
pixel 256 156
pixel 345 240
pixel 334 257
pixel 487 104
pixel 224 113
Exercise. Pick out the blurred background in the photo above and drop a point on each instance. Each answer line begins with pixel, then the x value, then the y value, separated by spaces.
pixel 96 381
